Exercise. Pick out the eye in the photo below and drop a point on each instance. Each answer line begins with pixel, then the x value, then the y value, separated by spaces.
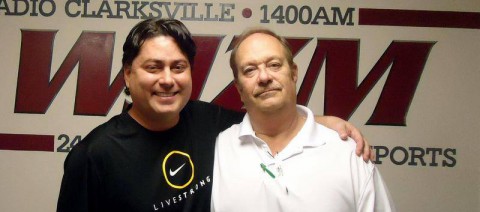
pixel 274 65
pixel 179 67
pixel 151 68
pixel 248 71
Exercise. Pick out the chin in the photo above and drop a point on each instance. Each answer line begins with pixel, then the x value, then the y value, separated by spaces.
pixel 171 109
pixel 271 104
pixel 268 108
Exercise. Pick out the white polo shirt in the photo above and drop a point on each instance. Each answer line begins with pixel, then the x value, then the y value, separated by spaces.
pixel 317 171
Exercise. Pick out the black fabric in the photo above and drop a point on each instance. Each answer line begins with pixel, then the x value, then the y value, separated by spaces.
pixel 119 165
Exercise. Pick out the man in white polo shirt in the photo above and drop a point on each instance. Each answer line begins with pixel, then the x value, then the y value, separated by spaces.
pixel 278 158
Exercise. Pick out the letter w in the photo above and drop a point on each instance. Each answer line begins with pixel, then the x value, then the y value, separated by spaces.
pixel 93 54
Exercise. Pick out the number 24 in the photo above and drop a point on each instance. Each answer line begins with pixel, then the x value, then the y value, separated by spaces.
pixel 67 144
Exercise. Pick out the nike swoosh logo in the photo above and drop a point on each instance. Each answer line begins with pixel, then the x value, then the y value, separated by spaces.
pixel 176 170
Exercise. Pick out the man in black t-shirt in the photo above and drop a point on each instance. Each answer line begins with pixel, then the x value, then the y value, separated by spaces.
pixel 158 154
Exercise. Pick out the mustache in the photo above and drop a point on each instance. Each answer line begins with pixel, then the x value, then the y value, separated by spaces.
pixel 262 90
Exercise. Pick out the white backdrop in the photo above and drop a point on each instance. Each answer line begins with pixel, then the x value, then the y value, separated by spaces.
pixel 429 157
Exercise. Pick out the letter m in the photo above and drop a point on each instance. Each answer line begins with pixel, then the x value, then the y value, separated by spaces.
pixel 343 94
pixel 93 54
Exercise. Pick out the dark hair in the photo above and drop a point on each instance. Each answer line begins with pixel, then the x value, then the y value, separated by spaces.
pixel 156 27
pixel 261 30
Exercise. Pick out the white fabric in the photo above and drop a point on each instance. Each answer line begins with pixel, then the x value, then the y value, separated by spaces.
pixel 317 171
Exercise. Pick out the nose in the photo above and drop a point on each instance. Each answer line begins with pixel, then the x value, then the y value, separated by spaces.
pixel 264 76
pixel 166 80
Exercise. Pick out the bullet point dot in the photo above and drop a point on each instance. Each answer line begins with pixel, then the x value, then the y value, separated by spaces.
pixel 247 13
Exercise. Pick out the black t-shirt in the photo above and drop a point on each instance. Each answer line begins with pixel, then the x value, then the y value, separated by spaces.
pixel 121 166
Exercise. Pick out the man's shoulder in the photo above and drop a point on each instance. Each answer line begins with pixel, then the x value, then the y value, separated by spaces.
pixel 333 142
pixel 201 108
pixel 331 137
pixel 197 105
pixel 346 148
pixel 100 136
pixel 230 133
pixel 345 151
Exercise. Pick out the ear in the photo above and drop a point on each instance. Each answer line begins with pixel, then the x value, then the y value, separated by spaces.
pixel 127 71
pixel 294 72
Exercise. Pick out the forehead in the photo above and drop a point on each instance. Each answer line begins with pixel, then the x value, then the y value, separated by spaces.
pixel 161 47
pixel 259 45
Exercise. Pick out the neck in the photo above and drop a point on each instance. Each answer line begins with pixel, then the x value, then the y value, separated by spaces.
pixel 155 123
pixel 277 129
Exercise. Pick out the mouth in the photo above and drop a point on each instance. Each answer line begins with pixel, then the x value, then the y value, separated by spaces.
pixel 266 91
pixel 165 94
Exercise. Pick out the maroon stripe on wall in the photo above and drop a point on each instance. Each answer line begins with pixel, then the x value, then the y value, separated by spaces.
pixel 27 142
pixel 419 18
